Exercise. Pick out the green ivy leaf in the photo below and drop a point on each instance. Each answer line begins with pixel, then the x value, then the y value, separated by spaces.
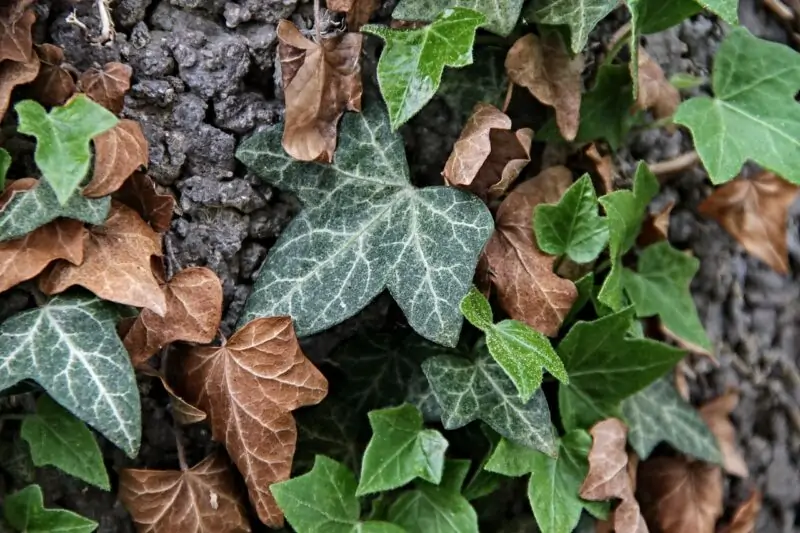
pixel 625 211
pixel 658 413
pixel 480 389
pixel 71 348
pixel 485 80
pixel 24 511
pixel 59 439
pixel 331 428
pixel 325 500
pixel 606 366
pixel 580 15
pixel 501 15
pixel 5 163
pixel 660 286
pixel 62 139
pixel 653 16
pixel 35 207
pixel 753 114
pixel 15 460
pixel 728 10
pixel 475 308
pixel 572 227
pixel 585 286
pixel 411 64
pixel 400 450
pixel 364 228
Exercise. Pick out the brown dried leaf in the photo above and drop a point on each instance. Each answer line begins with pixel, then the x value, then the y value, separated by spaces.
pixel 320 82
pixel 116 263
pixel 54 84
pixel 604 167
pixel 744 520
pixel 609 476
pixel 12 74
pixel 655 91
pixel 23 259
pixel 139 192
pixel 487 158
pixel 183 412
pixel 107 87
pixel 358 11
pixel 194 312
pixel 248 387
pixel 543 66
pixel 15 186
pixel 199 500
pixel 16 41
pixel 679 494
pixel 716 414
pixel 607 526
pixel 755 212
pixel 523 275
pixel 655 227
pixel 119 152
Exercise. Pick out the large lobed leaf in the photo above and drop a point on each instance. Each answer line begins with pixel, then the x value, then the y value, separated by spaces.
pixel 364 228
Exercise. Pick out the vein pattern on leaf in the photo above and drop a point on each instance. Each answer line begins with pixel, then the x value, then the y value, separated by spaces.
pixel 580 15
pixel 25 511
pixel 501 15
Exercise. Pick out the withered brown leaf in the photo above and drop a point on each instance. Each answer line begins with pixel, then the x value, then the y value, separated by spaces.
pixel 13 73
pixel 107 87
pixel 604 167
pixel 16 41
pixel 358 11
pixel 139 192
pixel 488 157
pixel 24 258
pixel 201 499
pixel 679 494
pixel 116 263
pixel 609 477
pixel 249 386
pixel 527 288
pixel 755 211
pixel 543 66
pixel 194 312
pixel 746 515
pixel 183 412
pixel 655 227
pixel 655 91
pixel 54 84
pixel 119 152
pixel 320 82
pixel 716 414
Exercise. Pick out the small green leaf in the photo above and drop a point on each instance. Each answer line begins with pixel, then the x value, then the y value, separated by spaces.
pixel 475 308
pixel 606 366
pixel 400 450
pixel 753 114
pixel 62 139
pixel 501 15
pixel 5 163
pixel 572 227
pixel 325 500
pixel 35 207
pixel 59 439
pixel 24 511
pixel 585 286
pixel 683 81
pixel 653 16
pixel 658 413
pixel 660 286
pixel 728 10
pixel 71 348
pixel 411 64
pixel 580 15
pixel 480 389
pixel 485 80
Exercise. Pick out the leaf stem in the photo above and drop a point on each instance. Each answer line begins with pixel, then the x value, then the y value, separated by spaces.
pixel 557 264
pixel 602 267
pixel 617 47
pixel 317 22
pixel 179 445
pixel 509 93
pixel 18 417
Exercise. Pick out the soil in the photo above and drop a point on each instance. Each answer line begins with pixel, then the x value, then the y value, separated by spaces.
pixel 205 77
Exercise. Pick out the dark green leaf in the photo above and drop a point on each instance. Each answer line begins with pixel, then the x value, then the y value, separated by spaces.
pixel 5 163
pixel 580 15
pixel 654 16
pixel 485 80
pixel 501 15
pixel 25 512
pixel 331 428
pixel 15 460
pixel 585 286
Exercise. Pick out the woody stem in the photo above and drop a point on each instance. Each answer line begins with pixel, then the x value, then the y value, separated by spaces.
pixel 317 22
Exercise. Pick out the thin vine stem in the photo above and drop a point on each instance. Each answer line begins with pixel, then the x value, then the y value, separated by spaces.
pixel 317 22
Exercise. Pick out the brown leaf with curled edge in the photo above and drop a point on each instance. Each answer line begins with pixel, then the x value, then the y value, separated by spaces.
pixel 527 288
pixel 755 211
pixel 655 227
pixel 716 414
pixel 54 84
pixel 13 73
pixel 656 93
pixel 107 87
pixel 183 412
pixel 139 192
pixel 249 386
pixel 358 11
pixel 542 64
pixel 24 258
pixel 320 82
pixel 746 515
pixel 607 526
pixel 16 41
pixel 487 158
pixel 116 263
pixel 194 312
pixel 604 167
pixel 609 476
pixel 119 152
pixel 201 499
pixel 15 186
pixel 678 494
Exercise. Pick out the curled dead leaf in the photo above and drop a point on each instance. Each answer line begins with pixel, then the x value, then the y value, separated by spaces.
pixel 746 515
pixel 54 84
pixel 249 387
pixel 755 211
pixel 119 152
pixel 543 66
pixel 603 167
pixel 320 82
pixel 487 158
pixel 201 499
pixel 116 263
pixel 108 86
pixel 527 288
pixel 15 186
pixel 16 41
pixel 183 412
pixel 139 192
pixel 13 73
pixel 358 11
pixel 655 227
pixel 656 93
pixel 716 414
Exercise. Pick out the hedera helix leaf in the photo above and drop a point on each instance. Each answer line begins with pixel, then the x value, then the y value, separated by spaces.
pixel 24 511
pixel 411 65
pixel 400 450
pixel 485 80
pixel 364 228
pixel 501 15
pixel 62 139
pixel 5 163
pixel 71 348
pixel 580 15
pixel 519 349
pixel 658 413
pixel 753 114
pixel 57 438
